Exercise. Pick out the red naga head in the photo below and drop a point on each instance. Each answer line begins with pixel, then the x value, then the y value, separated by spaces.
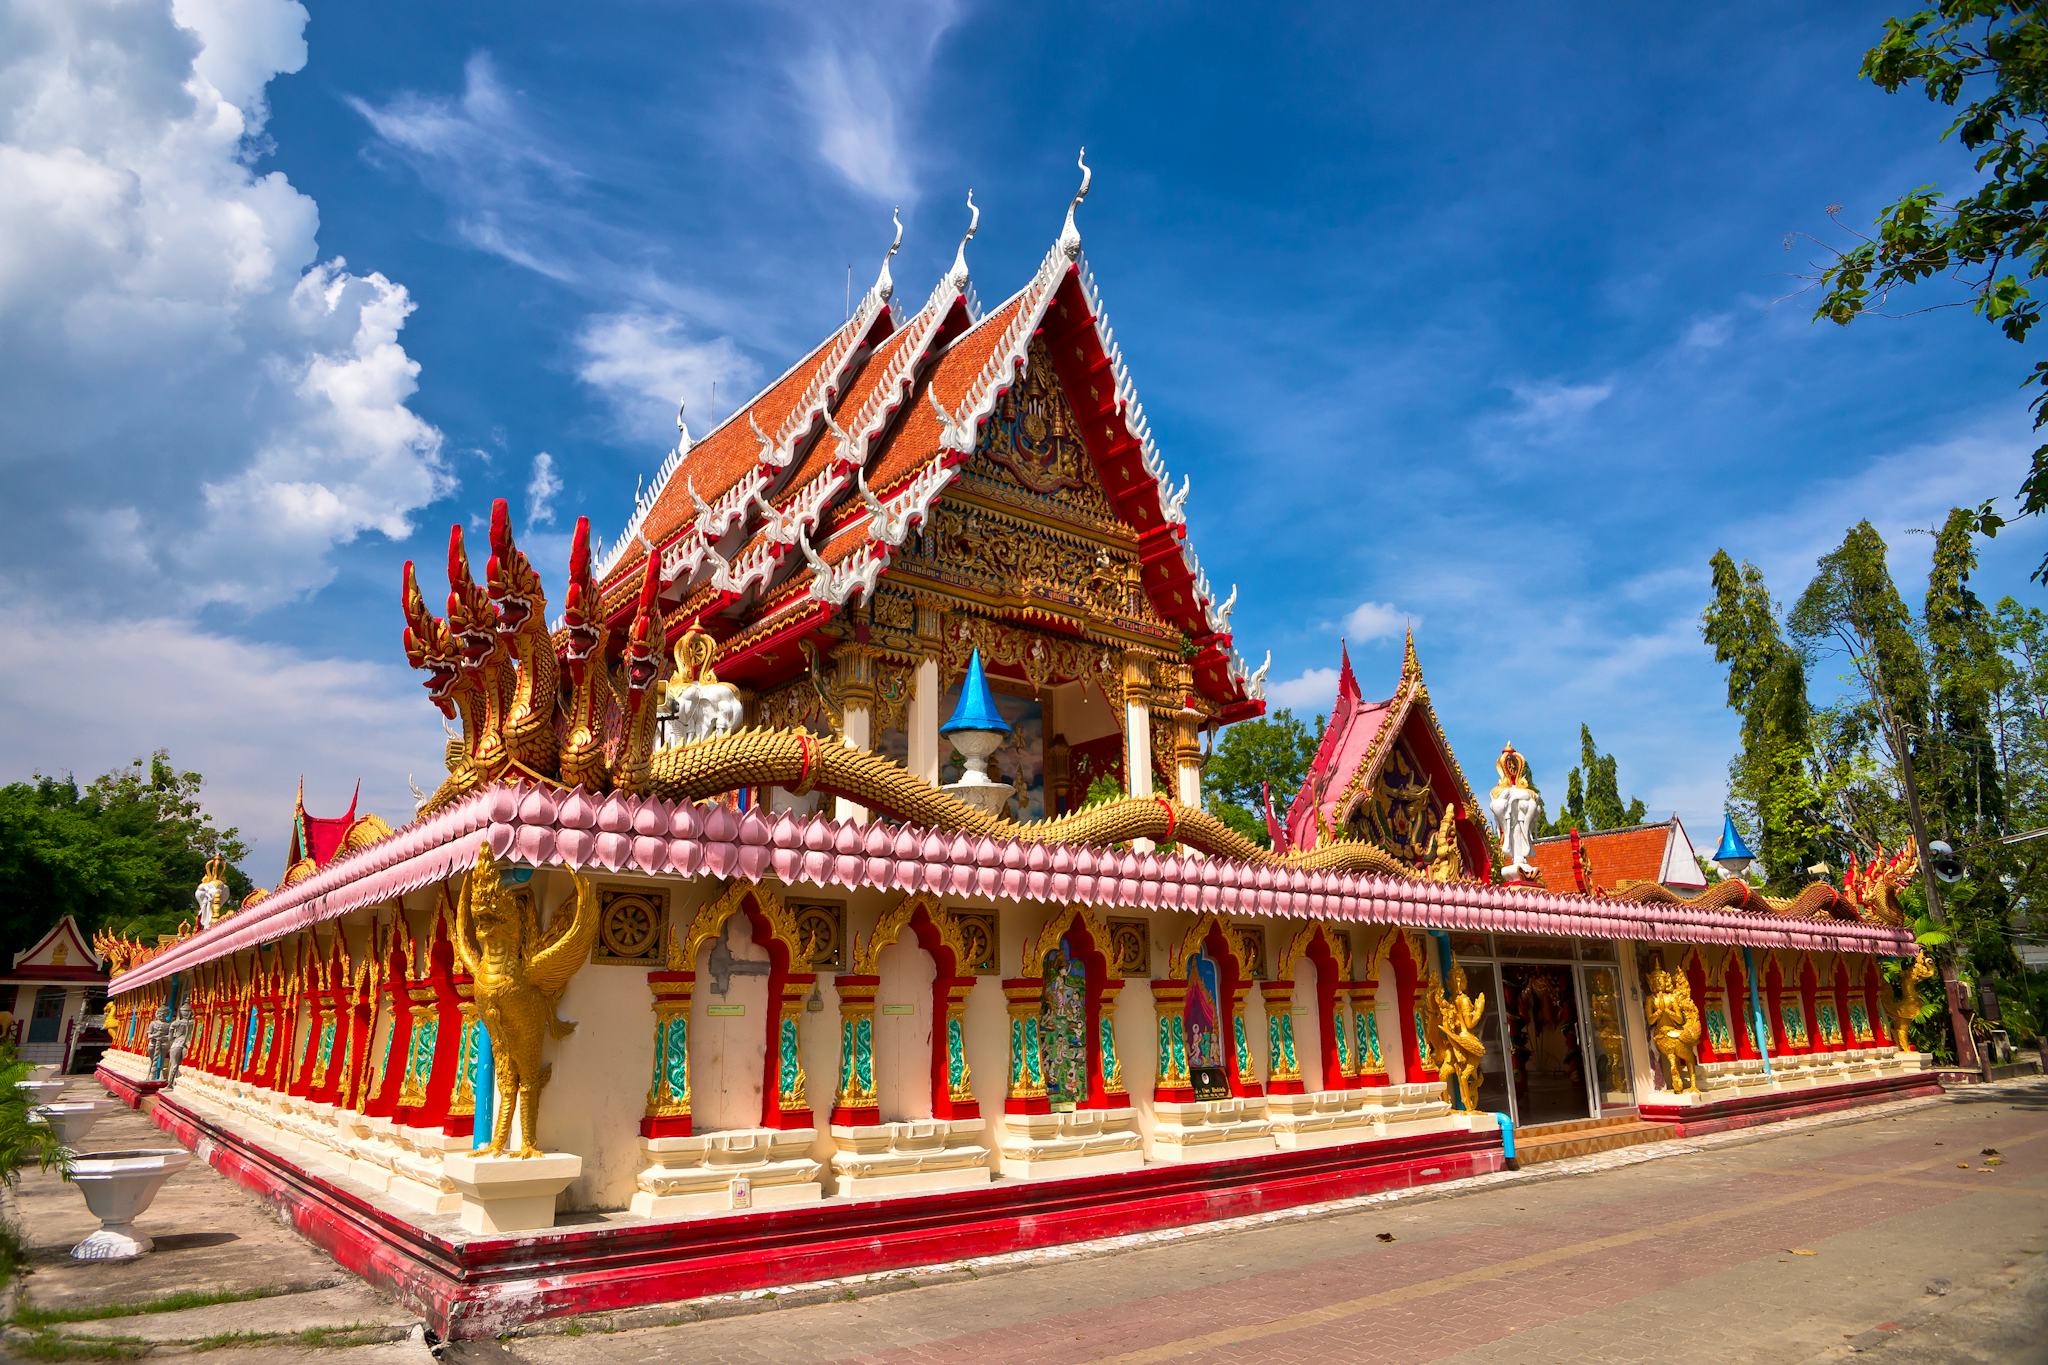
pixel 429 645
pixel 644 638
pixel 583 605
pixel 515 589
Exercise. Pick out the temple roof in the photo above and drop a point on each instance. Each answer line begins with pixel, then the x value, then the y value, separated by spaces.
pixel 792 508
pixel 1356 743
pixel 1659 852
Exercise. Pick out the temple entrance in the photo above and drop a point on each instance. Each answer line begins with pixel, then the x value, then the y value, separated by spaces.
pixel 1540 1002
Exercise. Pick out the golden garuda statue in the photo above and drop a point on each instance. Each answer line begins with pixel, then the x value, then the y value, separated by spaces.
pixel 1674 1026
pixel 519 976
pixel 1454 1041
pixel 1904 1007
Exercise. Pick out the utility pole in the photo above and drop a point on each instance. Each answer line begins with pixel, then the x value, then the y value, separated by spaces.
pixel 1944 953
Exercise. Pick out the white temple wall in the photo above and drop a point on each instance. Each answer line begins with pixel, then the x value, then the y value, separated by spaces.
pixel 593 1104
pixel 903 1030
pixel 1308 1037
pixel 1255 1032
pixel 1386 1008
pixel 1137 1043
pixel 987 1031
pixel 729 1036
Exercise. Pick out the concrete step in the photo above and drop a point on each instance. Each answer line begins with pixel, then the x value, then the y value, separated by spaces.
pixel 1556 1141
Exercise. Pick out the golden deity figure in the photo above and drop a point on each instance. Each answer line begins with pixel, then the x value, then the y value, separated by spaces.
pixel 1454 1041
pixel 1446 864
pixel 1674 1026
pixel 1904 1007
pixel 520 974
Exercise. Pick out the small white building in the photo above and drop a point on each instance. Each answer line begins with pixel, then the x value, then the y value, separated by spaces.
pixel 54 990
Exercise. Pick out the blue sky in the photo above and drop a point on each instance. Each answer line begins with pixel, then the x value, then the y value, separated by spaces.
pixel 1478 320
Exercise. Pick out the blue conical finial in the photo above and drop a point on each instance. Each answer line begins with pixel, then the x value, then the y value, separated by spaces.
pixel 1733 855
pixel 977 708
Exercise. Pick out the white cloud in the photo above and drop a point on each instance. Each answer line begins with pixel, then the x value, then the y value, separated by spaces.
pixel 541 491
pixel 1709 332
pixel 848 82
pixel 1376 621
pixel 1549 405
pixel 78 707
pixel 194 408
pixel 853 112
pixel 645 363
pixel 1310 692
pixel 502 178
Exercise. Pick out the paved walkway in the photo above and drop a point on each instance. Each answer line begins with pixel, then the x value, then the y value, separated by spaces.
pixel 1888 1232
pixel 1891 1233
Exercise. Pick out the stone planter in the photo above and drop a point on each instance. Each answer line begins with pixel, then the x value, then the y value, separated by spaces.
pixel 71 1120
pixel 119 1187
pixel 41 1092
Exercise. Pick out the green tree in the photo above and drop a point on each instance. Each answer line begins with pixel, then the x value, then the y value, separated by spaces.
pixel 1592 798
pixel 1771 780
pixel 125 853
pixel 1965 793
pixel 1990 243
pixel 1275 749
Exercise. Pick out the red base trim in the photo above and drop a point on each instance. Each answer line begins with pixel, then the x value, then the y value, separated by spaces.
pixel 669 1125
pixel 868 1116
pixel 130 1093
pixel 482 1286
pixel 1723 1115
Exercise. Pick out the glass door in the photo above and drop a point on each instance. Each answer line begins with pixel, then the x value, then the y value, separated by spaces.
pixel 1540 1004
pixel 1604 1036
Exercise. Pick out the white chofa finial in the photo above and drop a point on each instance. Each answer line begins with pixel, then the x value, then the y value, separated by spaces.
pixel 683 441
pixel 959 275
pixel 885 283
pixel 1070 236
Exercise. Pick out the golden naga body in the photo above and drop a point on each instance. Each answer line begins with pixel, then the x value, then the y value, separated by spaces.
pixel 519 974
pixel 589 703
pixel 641 662
pixel 1904 1007
pixel 1454 1041
pixel 1674 1026
pixel 522 605
pixel 485 663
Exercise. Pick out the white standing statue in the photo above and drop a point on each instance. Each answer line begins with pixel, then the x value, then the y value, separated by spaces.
pixel 212 893
pixel 1516 808
pixel 695 704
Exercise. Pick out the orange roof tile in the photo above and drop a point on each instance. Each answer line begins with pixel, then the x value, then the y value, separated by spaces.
pixel 1616 856
pixel 723 457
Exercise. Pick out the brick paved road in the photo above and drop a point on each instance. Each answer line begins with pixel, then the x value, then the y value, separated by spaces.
pixel 1888 1234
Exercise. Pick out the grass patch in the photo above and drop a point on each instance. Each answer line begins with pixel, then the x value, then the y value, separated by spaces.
pixel 220 1341
pixel 50 1346
pixel 27 1314
pixel 344 1334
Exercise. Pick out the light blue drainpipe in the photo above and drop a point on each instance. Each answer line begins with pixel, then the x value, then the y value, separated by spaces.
pixel 1507 1125
pixel 1757 1028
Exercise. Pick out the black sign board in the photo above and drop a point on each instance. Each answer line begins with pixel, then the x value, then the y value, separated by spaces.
pixel 1210 1082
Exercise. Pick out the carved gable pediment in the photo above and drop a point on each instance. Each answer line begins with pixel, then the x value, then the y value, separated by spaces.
pixel 1030 454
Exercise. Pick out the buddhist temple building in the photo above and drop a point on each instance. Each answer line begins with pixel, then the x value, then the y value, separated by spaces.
pixel 827 886
pixel 53 990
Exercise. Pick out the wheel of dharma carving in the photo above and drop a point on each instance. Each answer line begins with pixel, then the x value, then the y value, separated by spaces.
pixel 630 926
